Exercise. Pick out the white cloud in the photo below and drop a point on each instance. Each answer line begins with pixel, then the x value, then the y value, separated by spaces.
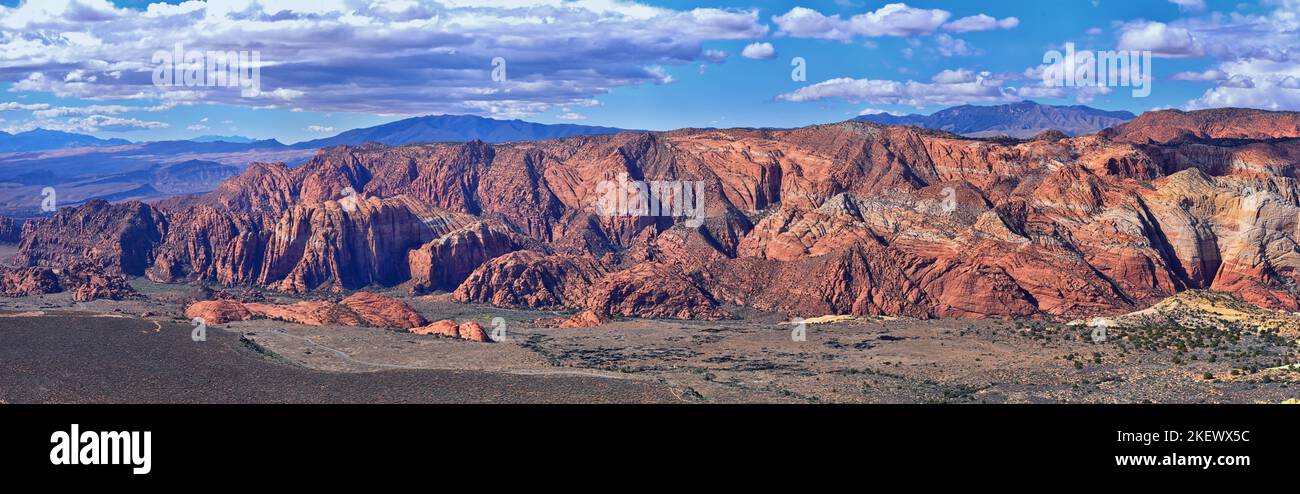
pixel 65 111
pixel 566 114
pixel 92 123
pixel 1207 75
pixel 951 76
pixel 1159 38
pixel 949 46
pixel 196 127
pixel 895 19
pixel 759 51
pixel 980 22
pixel 320 129
pixel 15 106
pixel 406 57
pixel 1254 83
pixel 949 87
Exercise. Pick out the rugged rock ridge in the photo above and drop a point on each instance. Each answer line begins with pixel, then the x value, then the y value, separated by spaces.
pixel 86 283
pixel 853 218
pixel 1169 126
pixel 116 238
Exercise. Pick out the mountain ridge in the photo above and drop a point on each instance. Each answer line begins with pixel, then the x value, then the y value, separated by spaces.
pixel 43 140
pixel 848 218
pixel 1021 120
pixel 454 128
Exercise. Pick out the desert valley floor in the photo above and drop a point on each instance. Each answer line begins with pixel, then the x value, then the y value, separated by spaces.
pixel 55 350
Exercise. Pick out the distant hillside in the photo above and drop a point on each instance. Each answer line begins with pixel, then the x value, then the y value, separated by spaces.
pixel 1023 119
pixel 41 140
pixel 454 128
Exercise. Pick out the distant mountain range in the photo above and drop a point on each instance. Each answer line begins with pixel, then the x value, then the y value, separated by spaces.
pixel 116 169
pixel 43 140
pixel 216 138
pixel 433 128
pixel 454 128
pixel 1023 119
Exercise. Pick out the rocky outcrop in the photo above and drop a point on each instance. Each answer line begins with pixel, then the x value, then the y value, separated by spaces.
pixel 360 309
pixel 1169 126
pixel 115 238
pixel 218 311
pixel 653 291
pixel 308 313
pixel 381 311
pixel 533 280
pixel 585 319
pixel 445 327
pixel 847 218
pixel 445 262
pixel 22 282
pixel 93 285
pixel 469 330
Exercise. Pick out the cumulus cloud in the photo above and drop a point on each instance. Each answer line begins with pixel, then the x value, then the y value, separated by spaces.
pixel 406 57
pixel 949 46
pixel 980 22
pixel 895 19
pixel 1254 83
pixel 950 87
pixel 714 56
pixel 1258 55
pixel 15 106
pixel 92 123
pixel 1159 38
pixel 322 129
pixel 759 51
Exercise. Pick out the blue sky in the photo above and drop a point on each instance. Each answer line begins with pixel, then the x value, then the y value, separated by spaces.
pixel 333 65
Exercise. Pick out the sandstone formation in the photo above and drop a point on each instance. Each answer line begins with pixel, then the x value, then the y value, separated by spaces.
pixel 445 327
pixel 585 319
pixel 117 238
pixel 218 311
pixel 384 312
pixel 468 330
pixel 93 285
pixel 360 309
pixel 28 281
pixel 847 218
